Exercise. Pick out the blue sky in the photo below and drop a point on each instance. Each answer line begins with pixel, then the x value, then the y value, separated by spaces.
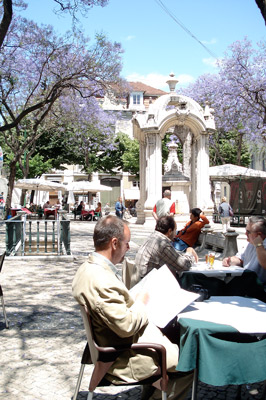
pixel 154 44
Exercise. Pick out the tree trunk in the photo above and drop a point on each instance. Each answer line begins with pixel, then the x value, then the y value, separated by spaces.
pixel 12 176
pixel 23 196
pixel 262 6
pixel 239 148
pixel 6 20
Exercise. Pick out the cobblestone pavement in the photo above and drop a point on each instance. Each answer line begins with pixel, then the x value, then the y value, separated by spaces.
pixel 41 351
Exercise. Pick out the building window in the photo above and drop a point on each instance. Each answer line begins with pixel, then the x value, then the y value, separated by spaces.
pixel 136 98
pixel 135 184
pixel 225 191
pixel 252 161
pixel 264 162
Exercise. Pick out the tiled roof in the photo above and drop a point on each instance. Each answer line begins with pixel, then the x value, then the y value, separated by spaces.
pixel 147 90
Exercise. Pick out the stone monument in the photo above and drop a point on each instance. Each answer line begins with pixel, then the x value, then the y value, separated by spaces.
pixel 192 125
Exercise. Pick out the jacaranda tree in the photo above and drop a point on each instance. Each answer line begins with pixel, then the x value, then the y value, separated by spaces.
pixel 237 93
pixel 37 68
pixel 79 132
pixel 64 6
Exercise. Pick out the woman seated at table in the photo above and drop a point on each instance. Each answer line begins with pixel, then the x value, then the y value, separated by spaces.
pixel 94 213
pixel 188 236
pixel 58 205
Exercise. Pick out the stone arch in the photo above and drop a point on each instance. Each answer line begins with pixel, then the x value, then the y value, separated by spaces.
pixel 193 124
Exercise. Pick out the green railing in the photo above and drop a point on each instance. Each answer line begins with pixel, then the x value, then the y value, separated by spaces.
pixel 15 234
pixel 65 236
pixel 39 237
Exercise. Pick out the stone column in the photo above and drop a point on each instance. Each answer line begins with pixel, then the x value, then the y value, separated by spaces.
pixel 187 155
pixel 194 151
pixel 142 183
pixel 153 176
pixel 202 187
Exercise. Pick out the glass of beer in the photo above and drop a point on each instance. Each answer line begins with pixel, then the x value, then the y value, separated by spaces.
pixel 211 260
pixel 207 258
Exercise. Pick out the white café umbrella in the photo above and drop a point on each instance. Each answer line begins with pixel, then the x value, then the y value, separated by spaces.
pixel 85 186
pixel 39 185
pixel 228 172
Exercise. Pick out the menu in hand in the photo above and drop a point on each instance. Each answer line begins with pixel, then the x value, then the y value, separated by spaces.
pixel 166 298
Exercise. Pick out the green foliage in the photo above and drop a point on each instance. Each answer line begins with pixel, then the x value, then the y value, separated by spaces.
pixel 165 151
pixel 124 156
pixel 224 149
pixel 37 166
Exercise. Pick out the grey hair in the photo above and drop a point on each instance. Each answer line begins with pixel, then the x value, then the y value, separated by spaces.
pixel 167 193
pixel 106 229
pixel 258 224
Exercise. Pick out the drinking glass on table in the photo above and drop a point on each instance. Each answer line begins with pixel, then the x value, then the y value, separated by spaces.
pixel 207 258
pixel 211 260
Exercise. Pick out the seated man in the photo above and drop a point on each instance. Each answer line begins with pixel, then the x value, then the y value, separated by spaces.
pixel 46 205
pixel 189 235
pixel 158 250
pixel 253 257
pixel 79 209
pixel 116 318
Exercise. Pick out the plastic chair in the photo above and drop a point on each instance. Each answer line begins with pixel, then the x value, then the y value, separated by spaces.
pixel 2 257
pixel 130 273
pixel 104 357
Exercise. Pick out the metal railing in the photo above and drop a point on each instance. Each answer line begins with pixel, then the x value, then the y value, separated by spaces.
pixel 40 237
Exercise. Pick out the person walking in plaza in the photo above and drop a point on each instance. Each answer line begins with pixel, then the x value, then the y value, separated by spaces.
pixel 164 206
pixel 188 236
pixel 159 250
pixel 116 318
pixel 225 211
pixel 119 208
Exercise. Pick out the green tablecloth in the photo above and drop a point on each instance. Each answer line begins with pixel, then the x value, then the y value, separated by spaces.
pixel 222 355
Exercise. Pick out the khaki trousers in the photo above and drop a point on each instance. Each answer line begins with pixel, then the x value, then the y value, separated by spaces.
pixel 178 388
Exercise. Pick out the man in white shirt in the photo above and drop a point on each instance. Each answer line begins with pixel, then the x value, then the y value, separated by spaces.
pixel 164 206
pixel 253 257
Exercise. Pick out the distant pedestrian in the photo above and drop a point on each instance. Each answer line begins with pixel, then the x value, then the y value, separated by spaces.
pixel 119 208
pixel 164 206
pixel 225 211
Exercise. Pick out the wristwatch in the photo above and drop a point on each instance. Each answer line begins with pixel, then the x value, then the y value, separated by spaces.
pixel 258 245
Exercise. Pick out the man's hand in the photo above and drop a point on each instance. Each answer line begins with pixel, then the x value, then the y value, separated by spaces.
pixel 257 240
pixel 143 297
pixel 191 251
pixel 226 262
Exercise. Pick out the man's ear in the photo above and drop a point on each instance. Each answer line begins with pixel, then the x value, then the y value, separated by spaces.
pixel 114 243
pixel 169 232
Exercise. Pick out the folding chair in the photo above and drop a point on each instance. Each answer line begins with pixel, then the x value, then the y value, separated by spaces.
pixel 104 357
pixel 2 257
pixel 130 273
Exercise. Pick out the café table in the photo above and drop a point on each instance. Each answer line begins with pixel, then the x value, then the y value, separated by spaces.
pixel 217 270
pixel 50 211
pixel 223 340
pixel 213 279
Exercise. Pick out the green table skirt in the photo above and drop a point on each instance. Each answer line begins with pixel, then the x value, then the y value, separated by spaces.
pixel 222 355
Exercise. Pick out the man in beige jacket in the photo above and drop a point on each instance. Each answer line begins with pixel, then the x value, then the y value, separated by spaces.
pixel 118 319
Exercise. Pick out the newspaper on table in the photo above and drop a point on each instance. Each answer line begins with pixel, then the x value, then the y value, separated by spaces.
pixel 166 298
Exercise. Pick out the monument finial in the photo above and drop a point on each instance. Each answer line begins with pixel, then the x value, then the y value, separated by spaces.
pixel 172 82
